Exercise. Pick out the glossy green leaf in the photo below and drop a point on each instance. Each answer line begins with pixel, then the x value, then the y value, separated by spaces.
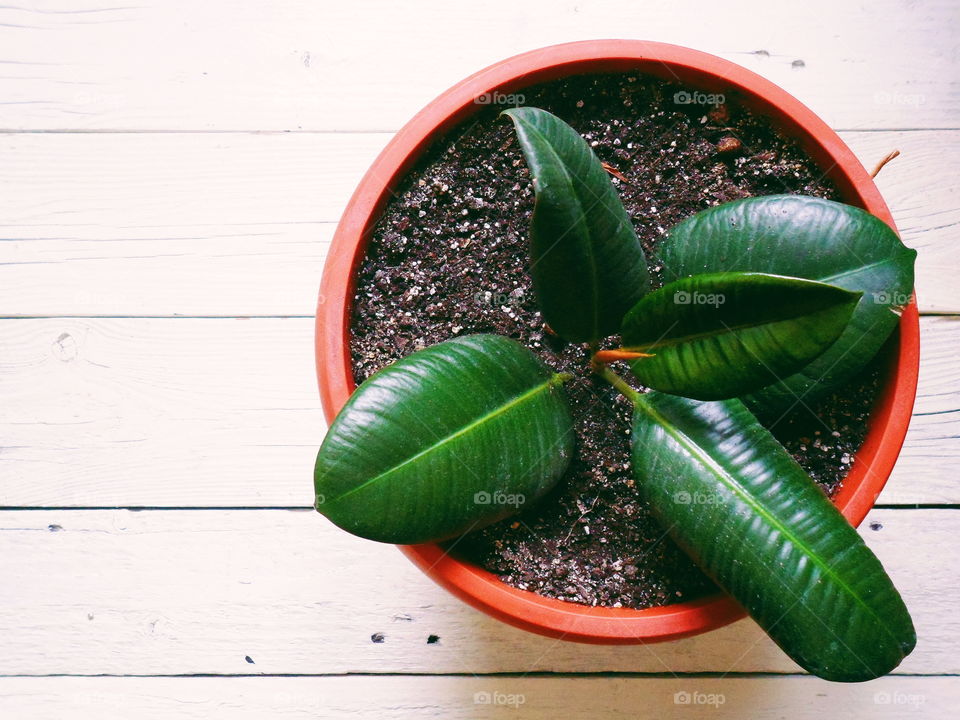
pixel 444 441
pixel 720 335
pixel 585 258
pixel 748 514
pixel 810 238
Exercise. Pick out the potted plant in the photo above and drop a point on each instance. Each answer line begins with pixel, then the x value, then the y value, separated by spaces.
pixel 888 423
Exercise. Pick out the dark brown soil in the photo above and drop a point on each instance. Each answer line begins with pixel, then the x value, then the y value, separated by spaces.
pixel 449 258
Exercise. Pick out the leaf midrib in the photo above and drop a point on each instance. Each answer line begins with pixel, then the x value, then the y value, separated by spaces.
pixel 695 449
pixel 725 330
pixel 469 427
pixel 893 260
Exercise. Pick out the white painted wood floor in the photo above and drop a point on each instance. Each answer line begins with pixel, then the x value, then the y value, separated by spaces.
pixel 170 177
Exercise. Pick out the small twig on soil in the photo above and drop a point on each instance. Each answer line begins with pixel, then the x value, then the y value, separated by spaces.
pixel 613 171
pixel 582 516
pixel 890 156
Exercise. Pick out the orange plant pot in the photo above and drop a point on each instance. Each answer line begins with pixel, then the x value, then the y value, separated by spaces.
pixel 887 425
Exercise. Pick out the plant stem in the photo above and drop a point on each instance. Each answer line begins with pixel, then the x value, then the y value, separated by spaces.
pixel 618 382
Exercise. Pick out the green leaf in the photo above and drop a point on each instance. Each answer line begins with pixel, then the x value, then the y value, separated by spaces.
pixel 721 335
pixel 444 441
pixel 746 512
pixel 585 258
pixel 810 238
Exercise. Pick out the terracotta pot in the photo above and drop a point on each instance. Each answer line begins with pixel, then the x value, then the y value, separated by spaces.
pixel 889 421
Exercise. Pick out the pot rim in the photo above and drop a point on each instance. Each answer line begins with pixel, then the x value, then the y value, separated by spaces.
pixel 888 421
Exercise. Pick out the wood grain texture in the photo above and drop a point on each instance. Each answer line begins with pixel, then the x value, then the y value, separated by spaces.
pixel 219 412
pixel 461 698
pixel 174 592
pixel 177 424
pixel 229 225
pixel 367 65
pixel 173 158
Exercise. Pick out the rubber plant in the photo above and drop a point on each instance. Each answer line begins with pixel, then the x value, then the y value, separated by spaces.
pixel 767 301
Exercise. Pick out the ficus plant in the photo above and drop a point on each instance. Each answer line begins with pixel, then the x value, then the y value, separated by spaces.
pixel 765 301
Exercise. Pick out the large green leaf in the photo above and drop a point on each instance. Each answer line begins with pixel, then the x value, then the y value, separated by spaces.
pixel 587 264
pixel 735 500
pixel 445 440
pixel 720 335
pixel 810 238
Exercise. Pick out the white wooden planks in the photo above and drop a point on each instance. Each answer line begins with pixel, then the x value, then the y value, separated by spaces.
pixel 370 64
pixel 174 592
pixel 225 412
pixel 462 698
pixel 168 421
pixel 180 412
pixel 239 224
